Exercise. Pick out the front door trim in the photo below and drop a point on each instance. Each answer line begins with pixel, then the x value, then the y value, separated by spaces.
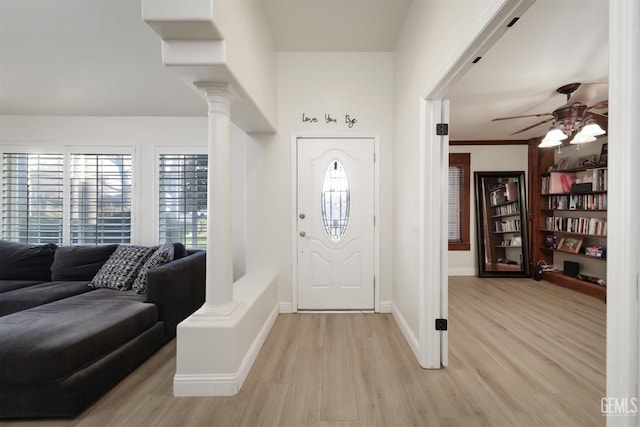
pixel 294 211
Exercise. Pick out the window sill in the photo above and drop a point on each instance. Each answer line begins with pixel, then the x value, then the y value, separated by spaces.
pixel 459 246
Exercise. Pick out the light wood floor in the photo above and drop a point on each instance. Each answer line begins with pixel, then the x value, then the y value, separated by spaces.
pixel 522 353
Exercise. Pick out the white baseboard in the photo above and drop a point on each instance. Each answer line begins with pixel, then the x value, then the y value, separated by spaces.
pixel 462 271
pixel 188 385
pixel 286 307
pixel 386 306
pixel 254 349
pixel 224 384
pixel 411 338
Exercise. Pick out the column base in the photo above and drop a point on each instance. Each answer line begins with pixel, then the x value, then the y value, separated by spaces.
pixel 227 310
pixel 216 346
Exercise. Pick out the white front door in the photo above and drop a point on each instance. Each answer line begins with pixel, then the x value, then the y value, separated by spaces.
pixel 335 223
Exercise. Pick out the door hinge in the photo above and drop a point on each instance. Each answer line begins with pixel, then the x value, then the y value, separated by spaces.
pixel 442 129
pixel 441 324
pixel 374 220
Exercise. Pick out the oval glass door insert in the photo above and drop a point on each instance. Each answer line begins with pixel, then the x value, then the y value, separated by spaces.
pixel 335 201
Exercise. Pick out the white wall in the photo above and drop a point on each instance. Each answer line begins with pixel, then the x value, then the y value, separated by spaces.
pixel 432 34
pixel 145 134
pixel 358 84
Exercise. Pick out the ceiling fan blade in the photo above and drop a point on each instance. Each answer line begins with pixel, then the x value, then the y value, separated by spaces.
pixel 519 117
pixel 594 114
pixel 532 126
pixel 600 105
pixel 588 92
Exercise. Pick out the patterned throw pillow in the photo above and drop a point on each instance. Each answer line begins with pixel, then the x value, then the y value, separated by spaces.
pixel 121 268
pixel 162 255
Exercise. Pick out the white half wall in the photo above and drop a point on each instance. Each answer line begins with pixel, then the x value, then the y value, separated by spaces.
pixel 484 158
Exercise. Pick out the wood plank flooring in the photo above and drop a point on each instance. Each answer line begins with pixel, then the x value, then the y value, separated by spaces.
pixel 522 353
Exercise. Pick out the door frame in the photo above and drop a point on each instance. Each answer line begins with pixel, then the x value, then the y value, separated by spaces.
pixel 294 209
pixel 434 163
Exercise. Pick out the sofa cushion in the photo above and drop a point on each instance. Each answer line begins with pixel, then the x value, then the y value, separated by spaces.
pixel 161 256
pixel 10 285
pixel 21 261
pixel 179 251
pixel 52 341
pixel 121 268
pixel 33 296
pixel 80 262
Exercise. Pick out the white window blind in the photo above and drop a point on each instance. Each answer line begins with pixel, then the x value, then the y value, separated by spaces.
pixel 456 175
pixel 32 197
pixel 100 198
pixel 183 199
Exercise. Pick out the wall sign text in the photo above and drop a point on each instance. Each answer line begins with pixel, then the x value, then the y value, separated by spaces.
pixel 328 119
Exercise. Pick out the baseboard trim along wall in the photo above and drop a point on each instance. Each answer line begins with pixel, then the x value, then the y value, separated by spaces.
pixel 462 271
pixel 286 307
pixel 224 384
pixel 411 338
pixel 386 306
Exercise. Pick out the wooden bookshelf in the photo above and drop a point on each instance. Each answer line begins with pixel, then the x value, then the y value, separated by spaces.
pixel 541 208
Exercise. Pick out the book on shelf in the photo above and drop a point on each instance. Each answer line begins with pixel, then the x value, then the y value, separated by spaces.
pixel 510 209
pixel 577 202
pixel 597 178
pixel 558 182
pixel 578 225
pixel 506 226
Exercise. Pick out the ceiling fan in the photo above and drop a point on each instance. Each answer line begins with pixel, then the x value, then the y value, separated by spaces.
pixel 574 116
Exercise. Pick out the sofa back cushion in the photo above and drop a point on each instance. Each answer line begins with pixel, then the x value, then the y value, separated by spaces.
pixel 22 261
pixel 179 251
pixel 80 262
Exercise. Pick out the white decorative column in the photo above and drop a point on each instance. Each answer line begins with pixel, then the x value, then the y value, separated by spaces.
pixel 219 285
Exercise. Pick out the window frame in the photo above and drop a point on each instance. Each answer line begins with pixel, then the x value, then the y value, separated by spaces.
pixel 82 228
pixel 167 150
pixel 66 151
pixel 463 161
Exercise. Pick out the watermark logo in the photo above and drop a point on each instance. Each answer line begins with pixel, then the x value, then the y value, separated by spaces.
pixel 620 406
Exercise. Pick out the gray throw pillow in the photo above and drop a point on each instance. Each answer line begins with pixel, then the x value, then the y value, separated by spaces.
pixel 162 255
pixel 121 268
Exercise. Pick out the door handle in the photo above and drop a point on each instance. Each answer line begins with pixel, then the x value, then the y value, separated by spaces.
pixel 302 234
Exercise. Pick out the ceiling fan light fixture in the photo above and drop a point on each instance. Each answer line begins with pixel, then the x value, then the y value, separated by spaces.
pixel 591 128
pixel 555 134
pixel 582 139
pixel 547 143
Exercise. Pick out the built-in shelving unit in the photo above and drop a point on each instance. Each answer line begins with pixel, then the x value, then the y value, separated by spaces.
pixel 569 216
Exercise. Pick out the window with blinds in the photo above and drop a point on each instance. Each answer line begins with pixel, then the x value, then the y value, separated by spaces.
pixel 183 199
pixel 455 179
pixel 32 197
pixel 100 198
pixel 459 201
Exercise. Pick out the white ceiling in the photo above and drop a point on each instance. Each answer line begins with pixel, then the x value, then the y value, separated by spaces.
pixel 556 42
pixel 98 58
pixel 335 25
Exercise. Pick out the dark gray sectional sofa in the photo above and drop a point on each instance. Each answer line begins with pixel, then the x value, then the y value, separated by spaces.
pixel 63 343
